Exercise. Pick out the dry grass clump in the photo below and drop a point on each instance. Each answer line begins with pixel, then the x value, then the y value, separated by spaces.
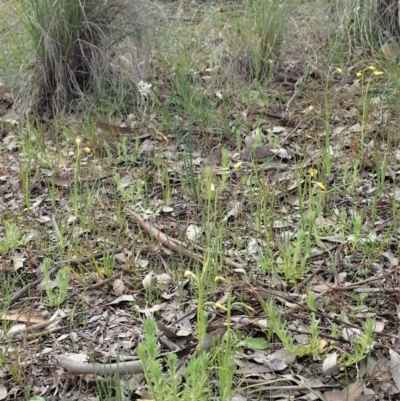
pixel 244 40
pixel 82 50
pixel 252 33
pixel 387 16
pixel 373 25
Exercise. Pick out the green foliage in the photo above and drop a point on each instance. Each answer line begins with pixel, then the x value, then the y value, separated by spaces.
pixel 362 344
pixel 10 238
pixel 257 33
pixel 166 387
pixel 55 298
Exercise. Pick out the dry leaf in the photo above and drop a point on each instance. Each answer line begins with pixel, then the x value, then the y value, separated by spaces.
pixel 3 392
pixel 16 328
pixel 18 261
pixel 252 247
pixel 351 392
pixel 77 357
pixel 330 365
pixel 163 280
pixel 192 232
pixel 122 298
pixel 118 287
pixel 23 318
pixel 126 180
pixel 148 281
pixel 210 338
pixel 280 152
pixel 235 209
pixel 258 153
pixel 215 158
pixel 279 130
pixel 394 364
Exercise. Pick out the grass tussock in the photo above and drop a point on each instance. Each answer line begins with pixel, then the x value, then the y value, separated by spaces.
pixel 372 27
pixel 82 50
pixel 255 36
pixel 243 40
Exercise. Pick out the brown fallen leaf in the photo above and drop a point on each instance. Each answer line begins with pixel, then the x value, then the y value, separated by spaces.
pixel 115 129
pixel 258 153
pixel 211 337
pixel 350 392
pixel 118 287
pixel 59 180
pixel 166 331
pixel 214 159
pixel 112 129
pixel 391 47
pixel 22 318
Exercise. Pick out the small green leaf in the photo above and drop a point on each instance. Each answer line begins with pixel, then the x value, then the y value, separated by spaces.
pixel 254 343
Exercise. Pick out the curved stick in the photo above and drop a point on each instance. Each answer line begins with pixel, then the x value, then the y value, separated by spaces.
pixel 79 368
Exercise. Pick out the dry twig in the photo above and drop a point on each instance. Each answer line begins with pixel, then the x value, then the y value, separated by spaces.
pixel 174 244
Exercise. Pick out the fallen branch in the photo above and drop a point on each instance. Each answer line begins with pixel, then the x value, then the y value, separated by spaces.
pixel 34 328
pixel 122 368
pixel 297 89
pixel 35 336
pixel 104 282
pixel 79 368
pixel 164 239
pixel 172 243
pixel 356 286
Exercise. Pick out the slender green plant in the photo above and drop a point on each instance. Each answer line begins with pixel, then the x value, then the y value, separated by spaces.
pixel 10 237
pixel 362 346
pixel 77 177
pixel 166 186
pixel 279 328
pixel 55 298
pixel 161 386
pixel 190 178
pixel 315 339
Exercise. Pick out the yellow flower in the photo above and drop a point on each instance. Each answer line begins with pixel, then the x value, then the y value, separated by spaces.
pixel 377 73
pixel 339 70
pixel 372 68
pixel 313 172
pixel 78 140
pixel 359 74
pixel 249 308
pixel 219 306
pixel 212 187
pixel 320 185
pixel 237 165
pixel 14 123
pixel 86 150
pixel 189 274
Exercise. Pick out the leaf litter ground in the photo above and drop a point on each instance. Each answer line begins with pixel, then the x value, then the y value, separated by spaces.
pixel 140 229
